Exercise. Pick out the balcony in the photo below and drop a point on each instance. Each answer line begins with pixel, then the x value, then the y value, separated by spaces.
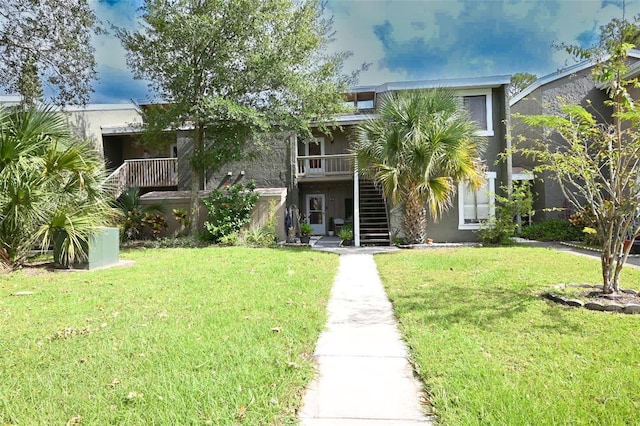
pixel 325 167
pixel 144 173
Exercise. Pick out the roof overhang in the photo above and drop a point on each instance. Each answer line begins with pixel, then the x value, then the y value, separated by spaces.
pixel 549 78
pixel 457 83
pixel 116 129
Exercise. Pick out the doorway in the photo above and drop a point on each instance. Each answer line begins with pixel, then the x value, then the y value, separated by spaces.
pixel 315 147
pixel 315 213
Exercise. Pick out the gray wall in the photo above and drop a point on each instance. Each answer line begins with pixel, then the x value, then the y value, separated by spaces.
pixel 269 164
pixel 578 88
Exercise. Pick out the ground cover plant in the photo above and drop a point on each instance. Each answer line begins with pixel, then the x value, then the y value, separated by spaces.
pixel 185 336
pixel 492 352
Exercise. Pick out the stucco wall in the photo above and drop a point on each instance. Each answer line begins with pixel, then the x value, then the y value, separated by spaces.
pixel 87 122
pixel 259 216
pixel 578 88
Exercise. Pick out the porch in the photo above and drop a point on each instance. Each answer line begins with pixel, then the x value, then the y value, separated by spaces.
pixel 144 173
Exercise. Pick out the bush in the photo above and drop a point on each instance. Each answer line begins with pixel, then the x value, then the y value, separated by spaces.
pixel 497 233
pixel 229 209
pixel 177 242
pixel 138 221
pixel 346 232
pixel 552 230
pixel 501 229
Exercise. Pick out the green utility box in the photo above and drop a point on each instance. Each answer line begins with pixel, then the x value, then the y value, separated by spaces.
pixel 104 249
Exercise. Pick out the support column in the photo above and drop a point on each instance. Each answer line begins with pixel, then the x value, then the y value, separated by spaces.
pixel 356 205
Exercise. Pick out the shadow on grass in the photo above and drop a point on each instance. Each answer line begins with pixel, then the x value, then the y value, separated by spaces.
pixel 460 304
pixel 486 309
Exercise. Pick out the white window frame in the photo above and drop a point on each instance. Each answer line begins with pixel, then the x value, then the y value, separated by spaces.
pixel 491 179
pixel 489 105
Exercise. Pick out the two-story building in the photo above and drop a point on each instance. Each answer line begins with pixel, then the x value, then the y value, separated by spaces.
pixel 317 174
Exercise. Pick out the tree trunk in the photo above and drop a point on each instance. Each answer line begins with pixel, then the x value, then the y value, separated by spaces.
pixel 607 269
pixel 414 221
pixel 196 178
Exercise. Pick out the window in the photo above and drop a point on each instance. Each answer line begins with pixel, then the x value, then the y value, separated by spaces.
pixel 365 104
pixel 475 207
pixel 478 104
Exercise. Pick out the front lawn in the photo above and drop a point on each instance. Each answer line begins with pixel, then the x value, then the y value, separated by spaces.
pixel 491 352
pixel 185 336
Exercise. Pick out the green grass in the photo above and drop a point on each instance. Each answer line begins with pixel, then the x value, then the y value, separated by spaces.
pixel 491 352
pixel 185 336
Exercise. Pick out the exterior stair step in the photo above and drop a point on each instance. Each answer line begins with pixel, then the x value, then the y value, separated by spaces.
pixel 374 223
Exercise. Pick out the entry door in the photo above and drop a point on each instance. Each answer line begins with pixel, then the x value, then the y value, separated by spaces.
pixel 315 147
pixel 315 213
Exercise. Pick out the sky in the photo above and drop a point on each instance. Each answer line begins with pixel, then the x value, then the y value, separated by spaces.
pixel 413 39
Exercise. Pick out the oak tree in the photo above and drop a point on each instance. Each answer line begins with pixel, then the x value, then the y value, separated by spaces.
pixel 229 71
pixel 47 44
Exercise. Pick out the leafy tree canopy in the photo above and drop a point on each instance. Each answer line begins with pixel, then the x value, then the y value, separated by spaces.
pixel 520 81
pixel 231 70
pixel 47 43
pixel 595 161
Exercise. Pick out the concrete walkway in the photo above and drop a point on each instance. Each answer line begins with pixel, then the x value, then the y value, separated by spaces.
pixel 364 377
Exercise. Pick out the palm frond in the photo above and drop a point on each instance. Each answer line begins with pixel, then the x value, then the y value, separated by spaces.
pixel 419 147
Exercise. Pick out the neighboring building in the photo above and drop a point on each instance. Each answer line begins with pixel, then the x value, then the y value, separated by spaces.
pixel 317 174
pixel 573 85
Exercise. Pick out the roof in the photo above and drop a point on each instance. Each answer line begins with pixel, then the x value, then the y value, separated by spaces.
pixel 9 100
pixel 102 107
pixel 458 83
pixel 549 78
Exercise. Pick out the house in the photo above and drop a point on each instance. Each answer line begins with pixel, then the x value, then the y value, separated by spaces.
pixel 573 85
pixel 315 174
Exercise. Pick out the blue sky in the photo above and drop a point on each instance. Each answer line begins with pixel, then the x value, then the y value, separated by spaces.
pixel 414 39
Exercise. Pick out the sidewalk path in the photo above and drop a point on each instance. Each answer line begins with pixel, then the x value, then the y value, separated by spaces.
pixel 364 377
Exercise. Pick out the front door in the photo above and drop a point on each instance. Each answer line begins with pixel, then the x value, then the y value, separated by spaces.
pixel 315 147
pixel 315 213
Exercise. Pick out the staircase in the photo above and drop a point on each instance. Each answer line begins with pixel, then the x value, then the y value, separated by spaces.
pixel 374 224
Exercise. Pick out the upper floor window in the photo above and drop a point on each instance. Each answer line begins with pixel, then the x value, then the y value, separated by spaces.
pixel 478 104
pixel 365 104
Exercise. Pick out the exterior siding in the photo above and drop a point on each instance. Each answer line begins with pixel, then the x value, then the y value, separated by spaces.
pixel 577 88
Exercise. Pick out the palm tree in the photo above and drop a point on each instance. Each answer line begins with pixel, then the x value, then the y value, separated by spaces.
pixel 421 144
pixel 49 184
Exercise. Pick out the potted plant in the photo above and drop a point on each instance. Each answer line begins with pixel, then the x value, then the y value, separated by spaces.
pixel 346 235
pixel 305 233
pixel 331 227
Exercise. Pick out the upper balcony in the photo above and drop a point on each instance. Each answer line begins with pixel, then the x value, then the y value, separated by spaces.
pixel 144 173
pixel 319 168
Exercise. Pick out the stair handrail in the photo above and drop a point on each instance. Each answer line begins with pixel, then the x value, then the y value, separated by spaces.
pixel 116 182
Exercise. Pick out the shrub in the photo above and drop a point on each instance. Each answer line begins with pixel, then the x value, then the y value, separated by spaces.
pixel 184 224
pixel 501 229
pixel 229 209
pixel 552 230
pixel 346 232
pixel 306 229
pixel 140 222
pixel 177 242
pixel 230 239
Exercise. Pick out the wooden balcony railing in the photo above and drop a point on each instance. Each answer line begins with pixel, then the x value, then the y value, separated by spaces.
pixel 318 166
pixel 144 173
